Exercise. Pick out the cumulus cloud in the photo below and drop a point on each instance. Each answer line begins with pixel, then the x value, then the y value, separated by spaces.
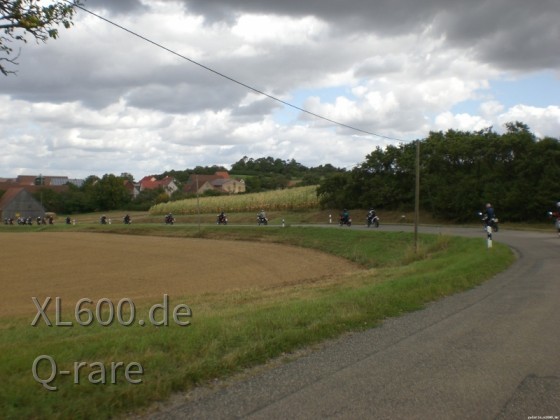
pixel 102 100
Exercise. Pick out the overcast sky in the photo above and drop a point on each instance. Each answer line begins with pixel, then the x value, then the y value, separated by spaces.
pixel 99 100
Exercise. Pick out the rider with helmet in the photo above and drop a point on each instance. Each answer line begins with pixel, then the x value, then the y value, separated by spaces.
pixel 372 218
pixel 556 216
pixel 344 216
pixel 490 214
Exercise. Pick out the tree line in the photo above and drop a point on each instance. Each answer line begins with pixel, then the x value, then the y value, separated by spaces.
pixel 263 174
pixel 460 171
pixel 109 192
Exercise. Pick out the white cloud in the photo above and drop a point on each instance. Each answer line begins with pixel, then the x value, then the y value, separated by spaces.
pixel 99 100
pixel 464 122
pixel 282 30
pixel 542 121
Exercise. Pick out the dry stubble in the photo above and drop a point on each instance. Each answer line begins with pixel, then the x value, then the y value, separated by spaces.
pixel 143 268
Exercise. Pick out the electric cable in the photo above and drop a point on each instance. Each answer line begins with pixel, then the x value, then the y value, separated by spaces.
pixel 231 79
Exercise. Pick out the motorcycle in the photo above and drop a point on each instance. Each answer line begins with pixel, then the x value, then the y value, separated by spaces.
pixel 222 219
pixel 262 220
pixel 127 220
pixel 103 220
pixel 169 219
pixel 345 221
pixel 556 217
pixel 493 223
pixel 373 220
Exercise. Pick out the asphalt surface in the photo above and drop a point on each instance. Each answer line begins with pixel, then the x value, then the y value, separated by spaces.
pixel 490 353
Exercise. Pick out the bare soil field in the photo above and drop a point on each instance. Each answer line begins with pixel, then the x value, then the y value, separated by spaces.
pixel 74 265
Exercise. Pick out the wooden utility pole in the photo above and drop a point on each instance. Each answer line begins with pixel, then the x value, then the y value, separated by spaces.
pixel 197 202
pixel 417 197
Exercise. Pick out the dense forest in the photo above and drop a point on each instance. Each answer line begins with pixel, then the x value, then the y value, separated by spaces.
pixel 459 172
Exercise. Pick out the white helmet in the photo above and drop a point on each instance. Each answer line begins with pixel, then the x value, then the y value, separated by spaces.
pixel 558 204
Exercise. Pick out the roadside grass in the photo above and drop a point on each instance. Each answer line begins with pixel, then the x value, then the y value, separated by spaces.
pixel 234 331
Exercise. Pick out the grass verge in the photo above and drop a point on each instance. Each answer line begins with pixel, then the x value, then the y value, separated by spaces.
pixel 238 330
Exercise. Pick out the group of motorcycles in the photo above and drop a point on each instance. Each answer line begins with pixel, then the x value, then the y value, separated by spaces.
pixel 488 219
pixel 105 221
pixel 372 219
pixel 221 219
pixel 29 221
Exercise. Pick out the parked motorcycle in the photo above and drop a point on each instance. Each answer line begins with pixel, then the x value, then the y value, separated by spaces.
pixel 493 223
pixel 169 219
pixel 221 219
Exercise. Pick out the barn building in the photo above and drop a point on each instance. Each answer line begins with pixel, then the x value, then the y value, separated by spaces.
pixel 17 202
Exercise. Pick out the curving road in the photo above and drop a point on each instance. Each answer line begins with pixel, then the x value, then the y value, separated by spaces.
pixel 490 353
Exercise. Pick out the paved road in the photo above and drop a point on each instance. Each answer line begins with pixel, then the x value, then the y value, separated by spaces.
pixel 490 353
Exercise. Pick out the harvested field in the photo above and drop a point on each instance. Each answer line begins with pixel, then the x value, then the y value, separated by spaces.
pixel 74 265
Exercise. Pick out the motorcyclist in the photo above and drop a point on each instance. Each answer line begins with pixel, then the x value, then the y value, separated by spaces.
pixel 103 220
pixel 126 219
pixel 262 215
pixel 372 218
pixel 345 216
pixel 490 214
pixel 489 218
pixel 556 216
pixel 221 217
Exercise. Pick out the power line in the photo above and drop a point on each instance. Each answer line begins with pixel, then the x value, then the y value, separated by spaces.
pixel 231 79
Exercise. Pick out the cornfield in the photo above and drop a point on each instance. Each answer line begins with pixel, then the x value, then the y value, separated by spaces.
pixel 299 198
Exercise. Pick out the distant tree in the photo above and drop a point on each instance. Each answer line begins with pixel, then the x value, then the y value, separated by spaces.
pixel 129 176
pixel 51 200
pixel 459 172
pixel 334 192
pixel 76 200
pixel 20 18
pixel 310 179
pixel 110 193
pixel 145 199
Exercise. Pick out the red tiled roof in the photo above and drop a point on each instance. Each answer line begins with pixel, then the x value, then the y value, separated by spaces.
pixel 5 186
pixel 9 195
pixel 150 183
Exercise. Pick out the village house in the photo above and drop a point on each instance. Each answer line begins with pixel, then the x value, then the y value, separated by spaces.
pixel 35 183
pixel 168 184
pixel 47 180
pixel 220 182
pixel 132 188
